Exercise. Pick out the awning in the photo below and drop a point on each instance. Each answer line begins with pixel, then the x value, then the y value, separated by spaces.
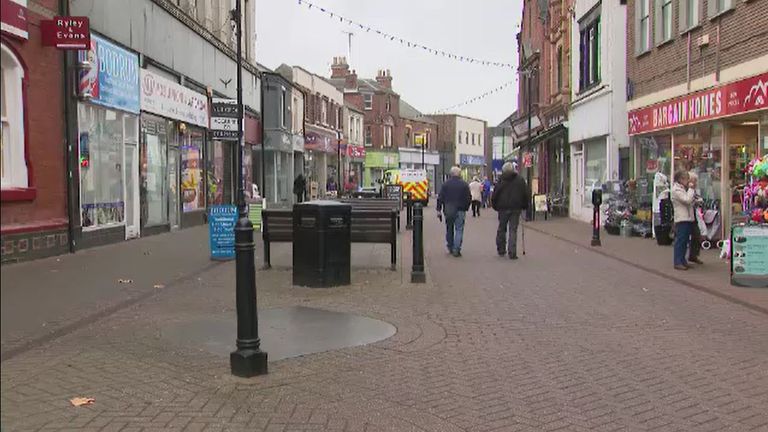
pixel 545 135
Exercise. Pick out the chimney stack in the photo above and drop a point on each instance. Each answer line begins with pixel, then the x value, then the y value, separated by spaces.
pixel 384 78
pixel 339 68
pixel 351 81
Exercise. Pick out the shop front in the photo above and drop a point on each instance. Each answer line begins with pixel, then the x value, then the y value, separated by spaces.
pixel 173 123
pixel 320 147
pixel 279 168
pixel 108 144
pixel 376 163
pixel 356 158
pixel 472 165
pixel 713 133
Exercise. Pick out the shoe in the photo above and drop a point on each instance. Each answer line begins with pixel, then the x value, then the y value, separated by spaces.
pixel 457 254
pixel 681 267
pixel 501 254
pixel 513 256
pixel 695 260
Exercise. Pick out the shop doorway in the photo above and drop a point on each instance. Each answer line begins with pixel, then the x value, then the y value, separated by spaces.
pixel 173 190
pixel 577 196
pixel 131 173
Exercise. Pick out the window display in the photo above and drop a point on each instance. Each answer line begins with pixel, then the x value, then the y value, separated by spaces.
pixel 101 142
pixel 654 154
pixel 192 194
pixel 698 150
pixel 219 158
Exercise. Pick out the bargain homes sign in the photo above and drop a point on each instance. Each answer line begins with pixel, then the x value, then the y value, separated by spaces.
pixel 738 97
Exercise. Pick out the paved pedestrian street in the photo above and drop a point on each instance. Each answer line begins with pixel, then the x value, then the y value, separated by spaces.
pixel 563 339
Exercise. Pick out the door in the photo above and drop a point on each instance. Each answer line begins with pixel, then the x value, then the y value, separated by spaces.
pixel 577 198
pixel 173 187
pixel 131 173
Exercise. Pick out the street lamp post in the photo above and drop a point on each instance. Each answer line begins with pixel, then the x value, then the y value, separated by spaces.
pixel 248 359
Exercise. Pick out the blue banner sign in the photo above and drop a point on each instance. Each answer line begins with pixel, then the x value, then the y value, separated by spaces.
pixel 113 80
pixel 468 159
pixel 221 231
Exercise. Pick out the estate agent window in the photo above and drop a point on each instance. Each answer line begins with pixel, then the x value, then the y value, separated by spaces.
pixel 12 163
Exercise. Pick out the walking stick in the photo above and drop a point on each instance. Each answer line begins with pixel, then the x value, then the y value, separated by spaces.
pixel 522 227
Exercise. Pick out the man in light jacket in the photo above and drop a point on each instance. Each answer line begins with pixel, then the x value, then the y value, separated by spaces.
pixel 683 197
pixel 476 189
pixel 453 201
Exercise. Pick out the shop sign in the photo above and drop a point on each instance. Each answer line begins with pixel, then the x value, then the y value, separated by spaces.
pixel 527 159
pixel 743 96
pixel 221 231
pixel 521 125
pixel 224 120
pixel 113 80
pixel 419 139
pixel 749 255
pixel 354 151
pixel 467 159
pixel 162 96
pixel 66 32
pixel 554 119
pixel 374 159
pixel 13 20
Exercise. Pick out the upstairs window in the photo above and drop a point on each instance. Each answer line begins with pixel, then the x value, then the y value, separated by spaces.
pixel 688 14
pixel 589 54
pixel 13 164
pixel 642 26
pixel 368 137
pixel 663 14
pixel 368 101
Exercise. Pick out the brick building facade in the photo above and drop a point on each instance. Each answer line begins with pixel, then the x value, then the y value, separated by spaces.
pixel 34 185
pixel 698 94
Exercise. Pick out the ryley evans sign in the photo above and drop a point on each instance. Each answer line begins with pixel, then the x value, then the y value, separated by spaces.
pixel 164 97
pixel 113 80
pixel 224 119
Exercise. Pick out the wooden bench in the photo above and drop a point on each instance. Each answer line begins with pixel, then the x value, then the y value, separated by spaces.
pixel 367 226
pixel 374 204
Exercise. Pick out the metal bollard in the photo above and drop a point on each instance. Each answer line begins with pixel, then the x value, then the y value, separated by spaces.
pixel 417 270
pixel 408 212
pixel 597 199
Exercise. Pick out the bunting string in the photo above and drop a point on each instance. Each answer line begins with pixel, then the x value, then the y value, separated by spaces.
pixel 404 42
pixel 472 100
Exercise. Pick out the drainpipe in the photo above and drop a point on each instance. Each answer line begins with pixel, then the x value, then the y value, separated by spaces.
pixel 70 130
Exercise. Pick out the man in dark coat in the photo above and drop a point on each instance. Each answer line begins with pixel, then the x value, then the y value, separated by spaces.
pixel 299 188
pixel 454 200
pixel 510 197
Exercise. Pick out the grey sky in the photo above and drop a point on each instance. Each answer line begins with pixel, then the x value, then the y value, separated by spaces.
pixel 484 29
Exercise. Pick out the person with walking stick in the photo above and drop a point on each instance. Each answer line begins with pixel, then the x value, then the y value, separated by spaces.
pixel 510 197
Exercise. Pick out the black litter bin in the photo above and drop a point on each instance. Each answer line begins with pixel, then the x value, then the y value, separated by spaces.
pixel 321 244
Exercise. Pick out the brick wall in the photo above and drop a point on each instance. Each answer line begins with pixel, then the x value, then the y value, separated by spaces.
pixel 45 135
pixel 743 36
pixel 534 34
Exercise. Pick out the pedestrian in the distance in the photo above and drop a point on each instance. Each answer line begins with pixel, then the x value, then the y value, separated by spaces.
pixel 510 197
pixel 487 190
pixel 683 197
pixel 300 188
pixel 453 201
pixel 476 190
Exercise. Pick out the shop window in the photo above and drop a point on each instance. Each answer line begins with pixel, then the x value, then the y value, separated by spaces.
pixel 642 26
pixel 192 193
pixel 595 164
pixel 154 163
pixel 368 101
pixel 699 150
pixel 101 143
pixel 589 54
pixel 654 157
pixel 13 163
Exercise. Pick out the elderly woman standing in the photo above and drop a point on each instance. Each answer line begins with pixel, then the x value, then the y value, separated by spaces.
pixel 683 196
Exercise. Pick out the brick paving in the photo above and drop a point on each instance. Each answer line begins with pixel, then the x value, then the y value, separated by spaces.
pixel 563 339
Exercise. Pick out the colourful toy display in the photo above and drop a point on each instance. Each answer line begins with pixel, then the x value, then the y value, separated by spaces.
pixel 755 202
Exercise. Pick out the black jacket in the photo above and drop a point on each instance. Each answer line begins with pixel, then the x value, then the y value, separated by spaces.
pixel 454 196
pixel 511 193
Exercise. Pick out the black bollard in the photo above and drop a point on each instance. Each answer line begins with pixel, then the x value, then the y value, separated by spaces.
pixel 248 360
pixel 417 270
pixel 597 199
pixel 408 212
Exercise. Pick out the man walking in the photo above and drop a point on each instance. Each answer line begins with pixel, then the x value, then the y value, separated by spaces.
pixel 510 197
pixel 453 201
pixel 476 190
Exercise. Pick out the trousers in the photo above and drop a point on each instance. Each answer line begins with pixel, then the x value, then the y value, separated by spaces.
pixel 682 237
pixel 506 234
pixel 454 230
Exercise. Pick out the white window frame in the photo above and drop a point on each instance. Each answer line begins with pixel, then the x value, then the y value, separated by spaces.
pixel 643 21
pixel 666 21
pixel 368 101
pixel 14 169
pixel 690 15
pixel 324 111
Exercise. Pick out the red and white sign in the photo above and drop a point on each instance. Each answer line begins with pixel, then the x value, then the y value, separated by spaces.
pixel 354 151
pixel 162 96
pixel 68 33
pixel 738 97
pixel 13 18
